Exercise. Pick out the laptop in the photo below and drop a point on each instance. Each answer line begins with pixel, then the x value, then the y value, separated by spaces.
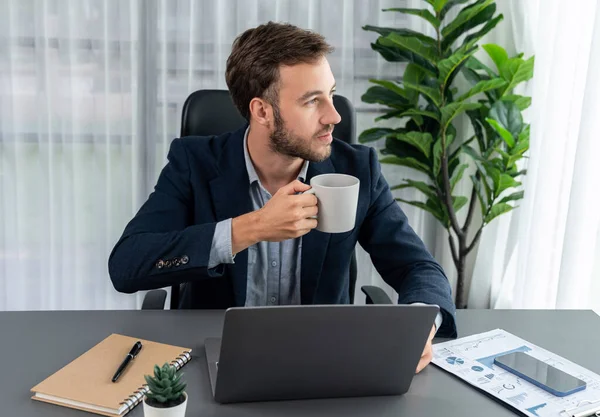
pixel 314 351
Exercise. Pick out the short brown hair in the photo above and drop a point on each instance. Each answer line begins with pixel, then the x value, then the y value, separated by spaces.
pixel 256 55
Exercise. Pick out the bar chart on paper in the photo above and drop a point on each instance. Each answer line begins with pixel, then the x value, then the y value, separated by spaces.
pixel 472 359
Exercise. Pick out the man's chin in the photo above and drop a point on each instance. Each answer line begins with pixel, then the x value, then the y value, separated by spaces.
pixel 322 156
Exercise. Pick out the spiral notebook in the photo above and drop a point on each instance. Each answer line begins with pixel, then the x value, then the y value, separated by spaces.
pixel 85 383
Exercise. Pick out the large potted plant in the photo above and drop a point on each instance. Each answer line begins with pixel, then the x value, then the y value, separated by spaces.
pixel 424 104
pixel 166 396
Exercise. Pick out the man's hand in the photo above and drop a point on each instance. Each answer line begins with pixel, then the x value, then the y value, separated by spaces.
pixel 427 352
pixel 285 216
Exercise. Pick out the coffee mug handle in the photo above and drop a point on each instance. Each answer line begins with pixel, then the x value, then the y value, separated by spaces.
pixel 311 191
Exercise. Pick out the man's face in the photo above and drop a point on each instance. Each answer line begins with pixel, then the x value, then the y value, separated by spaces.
pixel 305 116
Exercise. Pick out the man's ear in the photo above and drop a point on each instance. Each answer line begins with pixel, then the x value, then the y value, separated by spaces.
pixel 261 111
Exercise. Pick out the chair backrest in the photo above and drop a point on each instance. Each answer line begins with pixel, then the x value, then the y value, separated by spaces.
pixel 212 112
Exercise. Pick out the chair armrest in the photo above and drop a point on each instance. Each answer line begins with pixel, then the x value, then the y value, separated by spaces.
pixel 375 295
pixel 154 300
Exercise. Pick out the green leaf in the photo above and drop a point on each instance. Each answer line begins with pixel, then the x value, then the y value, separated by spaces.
pixel 435 211
pixel 424 13
pixel 513 197
pixel 470 17
pixel 392 86
pixel 437 156
pixel 450 111
pixel 178 387
pixel 407 162
pixel 508 115
pixel 373 134
pixel 412 45
pixel 432 93
pixel 426 189
pixel 421 141
pixel 473 153
pixel 395 54
pixel 475 37
pixel 384 96
pixel 524 135
pixel 449 5
pixel 475 64
pixel 457 175
pixel 160 398
pixel 516 71
pixel 384 31
pixel 438 5
pixel 476 122
pixel 505 181
pixel 497 210
pixel 459 202
pixel 522 102
pixel 494 174
pixel 449 65
pixel 504 134
pixel 497 53
pixel 482 87
pixel 391 114
pixel 473 77
pixel 413 112
pixel 477 186
pixel 413 74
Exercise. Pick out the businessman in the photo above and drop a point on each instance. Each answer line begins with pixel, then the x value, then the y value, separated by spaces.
pixel 227 217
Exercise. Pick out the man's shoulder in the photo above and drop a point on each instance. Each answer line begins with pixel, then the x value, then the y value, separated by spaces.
pixel 205 146
pixel 205 153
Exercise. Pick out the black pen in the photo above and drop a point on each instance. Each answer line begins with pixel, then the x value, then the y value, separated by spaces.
pixel 131 355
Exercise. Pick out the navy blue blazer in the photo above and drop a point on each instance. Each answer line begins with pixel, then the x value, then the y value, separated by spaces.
pixel 205 181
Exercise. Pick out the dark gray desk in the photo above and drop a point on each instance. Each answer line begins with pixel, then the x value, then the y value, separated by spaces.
pixel 34 345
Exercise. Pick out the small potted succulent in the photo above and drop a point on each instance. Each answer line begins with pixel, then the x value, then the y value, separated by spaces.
pixel 166 396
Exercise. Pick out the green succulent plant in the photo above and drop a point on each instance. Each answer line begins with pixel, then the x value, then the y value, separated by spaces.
pixel 166 387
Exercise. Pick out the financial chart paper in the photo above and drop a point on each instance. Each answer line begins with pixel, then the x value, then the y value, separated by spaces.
pixel 472 359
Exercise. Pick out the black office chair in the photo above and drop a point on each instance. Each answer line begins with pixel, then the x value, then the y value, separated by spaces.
pixel 212 112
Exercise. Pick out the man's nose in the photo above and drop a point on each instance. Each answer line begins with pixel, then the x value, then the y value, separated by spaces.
pixel 331 116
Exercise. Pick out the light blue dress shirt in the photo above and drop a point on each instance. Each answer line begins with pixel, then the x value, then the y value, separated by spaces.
pixel 273 267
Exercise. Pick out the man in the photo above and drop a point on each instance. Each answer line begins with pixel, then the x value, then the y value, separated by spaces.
pixel 227 216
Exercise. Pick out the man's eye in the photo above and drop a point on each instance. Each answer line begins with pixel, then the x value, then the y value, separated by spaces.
pixel 313 101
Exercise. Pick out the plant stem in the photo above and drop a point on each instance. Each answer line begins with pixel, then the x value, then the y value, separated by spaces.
pixel 447 189
pixel 475 239
pixel 472 204
pixel 452 247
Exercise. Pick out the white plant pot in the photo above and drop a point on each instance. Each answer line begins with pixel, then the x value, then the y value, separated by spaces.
pixel 177 411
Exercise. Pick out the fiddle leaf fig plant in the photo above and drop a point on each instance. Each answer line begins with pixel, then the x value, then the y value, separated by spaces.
pixel 425 104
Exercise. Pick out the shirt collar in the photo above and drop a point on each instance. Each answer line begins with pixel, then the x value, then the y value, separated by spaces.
pixel 252 175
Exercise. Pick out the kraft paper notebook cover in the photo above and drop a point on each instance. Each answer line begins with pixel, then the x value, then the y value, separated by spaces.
pixel 85 383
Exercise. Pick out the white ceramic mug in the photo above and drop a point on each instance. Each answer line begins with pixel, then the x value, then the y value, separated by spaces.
pixel 337 196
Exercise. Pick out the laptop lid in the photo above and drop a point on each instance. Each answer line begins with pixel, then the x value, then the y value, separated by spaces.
pixel 301 352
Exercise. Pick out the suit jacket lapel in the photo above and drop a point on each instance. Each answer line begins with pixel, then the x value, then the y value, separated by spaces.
pixel 231 198
pixel 314 244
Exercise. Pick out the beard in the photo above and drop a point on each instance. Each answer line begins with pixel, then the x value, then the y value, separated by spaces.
pixel 285 142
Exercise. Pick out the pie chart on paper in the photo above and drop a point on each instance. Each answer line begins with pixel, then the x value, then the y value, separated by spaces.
pixel 453 360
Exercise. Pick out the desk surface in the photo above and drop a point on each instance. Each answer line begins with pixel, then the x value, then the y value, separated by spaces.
pixel 36 344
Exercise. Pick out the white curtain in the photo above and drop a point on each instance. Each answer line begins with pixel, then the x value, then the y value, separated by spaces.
pixel 554 256
pixel 90 97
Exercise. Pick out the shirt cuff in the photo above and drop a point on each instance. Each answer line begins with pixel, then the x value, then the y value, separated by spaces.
pixel 220 249
pixel 438 318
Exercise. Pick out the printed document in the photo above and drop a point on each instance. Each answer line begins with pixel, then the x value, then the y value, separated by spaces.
pixel 472 359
